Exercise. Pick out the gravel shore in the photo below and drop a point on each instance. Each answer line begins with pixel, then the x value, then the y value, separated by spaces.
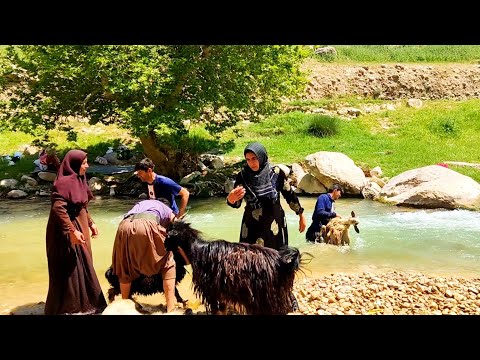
pixel 391 293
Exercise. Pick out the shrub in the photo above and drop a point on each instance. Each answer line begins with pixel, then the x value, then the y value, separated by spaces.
pixel 323 125
pixel 444 127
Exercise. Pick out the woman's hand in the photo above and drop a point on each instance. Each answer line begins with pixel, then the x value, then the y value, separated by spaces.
pixel 236 194
pixel 94 230
pixel 77 238
pixel 302 223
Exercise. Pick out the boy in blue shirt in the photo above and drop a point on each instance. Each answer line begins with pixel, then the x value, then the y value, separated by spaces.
pixel 162 187
pixel 324 211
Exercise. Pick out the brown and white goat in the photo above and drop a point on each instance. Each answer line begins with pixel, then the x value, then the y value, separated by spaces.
pixel 336 231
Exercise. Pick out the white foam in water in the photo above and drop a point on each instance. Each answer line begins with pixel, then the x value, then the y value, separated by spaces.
pixel 425 219
pixel 358 244
pixel 202 218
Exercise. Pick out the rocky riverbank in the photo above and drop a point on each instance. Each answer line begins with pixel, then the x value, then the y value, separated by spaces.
pixel 392 293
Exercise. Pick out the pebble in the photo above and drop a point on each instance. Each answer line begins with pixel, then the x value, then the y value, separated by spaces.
pixel 391 293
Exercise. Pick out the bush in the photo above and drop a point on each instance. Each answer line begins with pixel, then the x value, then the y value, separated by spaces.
pixel 323 125
pixel 444 127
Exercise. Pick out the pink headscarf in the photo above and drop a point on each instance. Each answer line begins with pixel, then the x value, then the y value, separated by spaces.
pixel 69 184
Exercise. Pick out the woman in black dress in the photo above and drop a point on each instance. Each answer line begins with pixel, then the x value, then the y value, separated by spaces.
pixel 260 184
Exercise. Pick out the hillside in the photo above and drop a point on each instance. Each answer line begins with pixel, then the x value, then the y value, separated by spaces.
pixel 393 81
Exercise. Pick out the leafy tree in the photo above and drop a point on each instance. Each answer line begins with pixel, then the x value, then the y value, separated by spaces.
pixel 153 91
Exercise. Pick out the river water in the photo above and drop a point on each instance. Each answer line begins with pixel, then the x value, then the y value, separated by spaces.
pixel 442 242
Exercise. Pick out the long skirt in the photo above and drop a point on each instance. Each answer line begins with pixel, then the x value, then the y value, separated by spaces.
pixel 266 226
pixel 139 250
pixel 73 283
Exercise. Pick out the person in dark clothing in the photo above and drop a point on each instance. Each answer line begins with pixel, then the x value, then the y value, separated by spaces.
pixel 324 211
pixel 159 187
pixel 260 184
pixel 73 286
pixel 264 220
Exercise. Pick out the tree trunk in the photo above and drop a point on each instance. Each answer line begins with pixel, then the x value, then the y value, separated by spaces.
pixel 168 162
pixel 165 163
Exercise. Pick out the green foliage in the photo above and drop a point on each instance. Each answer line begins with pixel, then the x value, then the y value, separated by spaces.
pixel 444 127
pixel 71 135
pixel 24 166
pixel 145 88
pixel 196 141
pixel 323 125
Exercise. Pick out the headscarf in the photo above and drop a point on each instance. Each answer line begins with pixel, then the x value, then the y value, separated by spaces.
pixel 259 183
pixel 69 184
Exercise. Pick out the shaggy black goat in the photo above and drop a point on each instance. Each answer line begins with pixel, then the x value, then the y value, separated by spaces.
pixel 147 285
pixel 252 278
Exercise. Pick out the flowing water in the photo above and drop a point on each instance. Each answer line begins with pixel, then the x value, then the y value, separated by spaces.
pixel 442 242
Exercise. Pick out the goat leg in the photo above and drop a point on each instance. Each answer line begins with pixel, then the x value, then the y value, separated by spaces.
pixel 112 292
pixel 179 298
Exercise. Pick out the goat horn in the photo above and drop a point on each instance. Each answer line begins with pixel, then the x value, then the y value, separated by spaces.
pixel 356 229
pixel 353 214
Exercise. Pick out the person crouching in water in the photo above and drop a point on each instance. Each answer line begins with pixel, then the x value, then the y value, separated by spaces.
pixel 139 248
pixel 324 212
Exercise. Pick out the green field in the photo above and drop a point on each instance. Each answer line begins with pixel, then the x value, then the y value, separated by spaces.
pixel 406 53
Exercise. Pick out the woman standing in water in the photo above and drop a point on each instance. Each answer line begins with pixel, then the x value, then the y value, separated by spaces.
pixel 73 284
pixel 260 184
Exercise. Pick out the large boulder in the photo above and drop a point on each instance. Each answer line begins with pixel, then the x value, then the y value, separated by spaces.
pixel 334 167
pixel 431 187
pixel 311 185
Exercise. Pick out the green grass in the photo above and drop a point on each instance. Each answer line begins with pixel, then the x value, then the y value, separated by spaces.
pixel 407 53
pixel 412 138
pixel 94 139
pixel 396 140
pixel 323 125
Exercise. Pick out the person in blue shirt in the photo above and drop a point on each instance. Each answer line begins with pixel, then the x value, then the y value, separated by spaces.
pixel 324 211
pixel 162 187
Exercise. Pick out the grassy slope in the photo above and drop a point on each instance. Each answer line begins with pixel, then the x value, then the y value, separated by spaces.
pixel 415 137
pixel 95 139
pixel 408 53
